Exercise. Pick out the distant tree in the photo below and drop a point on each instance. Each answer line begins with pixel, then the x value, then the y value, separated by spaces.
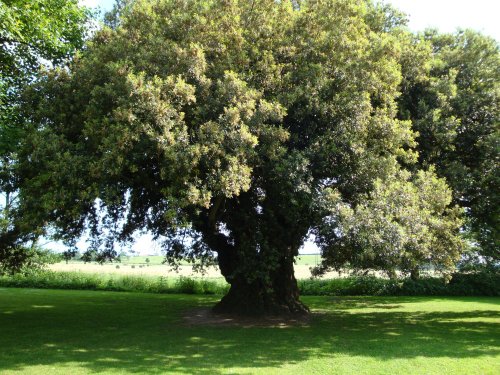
pixel 239 125
pixel 89 256
pixel 69 254
pixel 122 256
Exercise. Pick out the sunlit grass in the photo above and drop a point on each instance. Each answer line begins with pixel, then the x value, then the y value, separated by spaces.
pixel 80 332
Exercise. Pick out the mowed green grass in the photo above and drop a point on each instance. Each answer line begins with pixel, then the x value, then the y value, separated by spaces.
pixel 81 332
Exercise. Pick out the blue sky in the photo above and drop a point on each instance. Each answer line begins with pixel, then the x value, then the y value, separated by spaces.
pixel 445 15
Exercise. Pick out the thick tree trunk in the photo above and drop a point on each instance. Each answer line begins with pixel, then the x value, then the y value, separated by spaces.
pixel 415 274
pixel 261 276
pixel 279 295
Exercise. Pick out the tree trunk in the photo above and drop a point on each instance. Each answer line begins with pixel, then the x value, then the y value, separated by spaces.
pixel 393 275
pixel 279 295
pixel 256 258
pixel 415 274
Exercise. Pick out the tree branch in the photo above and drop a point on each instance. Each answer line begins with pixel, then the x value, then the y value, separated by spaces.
pixel 212 214
pixel 4 40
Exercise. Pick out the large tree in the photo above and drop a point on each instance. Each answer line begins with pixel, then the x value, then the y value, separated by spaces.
pixel 32 34
pixel 452 97
pixel 236 124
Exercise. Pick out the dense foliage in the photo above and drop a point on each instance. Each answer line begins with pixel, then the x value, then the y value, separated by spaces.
pixel 33 34
pixel 233 129
pixel 117 283
pixel 452 96
pixel 401 225
pixel 460 284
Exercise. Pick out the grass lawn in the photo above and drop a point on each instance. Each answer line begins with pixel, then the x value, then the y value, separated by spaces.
pixel 79 332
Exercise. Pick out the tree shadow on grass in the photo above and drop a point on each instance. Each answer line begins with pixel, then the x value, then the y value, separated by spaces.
pixel 145 334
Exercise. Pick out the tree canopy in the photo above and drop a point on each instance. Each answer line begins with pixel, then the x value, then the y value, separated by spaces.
pixel 244 126
pixel 32 34
pixel 454 105
pixel 401 225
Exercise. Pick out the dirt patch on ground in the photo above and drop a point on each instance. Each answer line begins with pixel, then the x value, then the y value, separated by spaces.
pixel 205 316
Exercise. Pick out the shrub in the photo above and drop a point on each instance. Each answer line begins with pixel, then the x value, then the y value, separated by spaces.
pixel 472 284
pixel 186 285
pixel 130 283
pixel 461 284
pixel 485 283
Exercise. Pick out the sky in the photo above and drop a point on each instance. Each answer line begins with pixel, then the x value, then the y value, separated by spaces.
pixel 444 15
pixel 448 15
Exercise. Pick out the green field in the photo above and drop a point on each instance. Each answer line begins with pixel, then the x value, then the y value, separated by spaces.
pixel 80 332
pixel 305 260
pixel 153 259
pixel 308 260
